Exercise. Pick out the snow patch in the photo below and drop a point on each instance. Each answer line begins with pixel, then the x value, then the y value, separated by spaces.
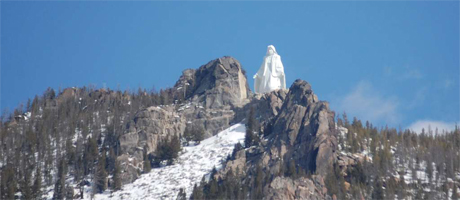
pixel 190 167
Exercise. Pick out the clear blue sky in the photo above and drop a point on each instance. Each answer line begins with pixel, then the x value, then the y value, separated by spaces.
pixel 393 63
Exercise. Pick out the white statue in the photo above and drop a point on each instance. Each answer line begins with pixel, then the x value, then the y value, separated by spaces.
pixel 271 74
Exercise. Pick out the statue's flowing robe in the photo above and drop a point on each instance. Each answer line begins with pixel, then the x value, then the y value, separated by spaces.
pixel 271 73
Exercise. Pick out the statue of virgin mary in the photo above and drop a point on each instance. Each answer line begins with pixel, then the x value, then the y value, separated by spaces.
pixel 271 74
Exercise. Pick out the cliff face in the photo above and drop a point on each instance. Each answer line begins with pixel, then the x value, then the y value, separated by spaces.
pixel 221 82
pixel 212 93
pixel 304 130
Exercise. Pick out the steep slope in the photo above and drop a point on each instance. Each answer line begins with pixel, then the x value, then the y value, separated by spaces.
pixel 192 164
pixel 304 130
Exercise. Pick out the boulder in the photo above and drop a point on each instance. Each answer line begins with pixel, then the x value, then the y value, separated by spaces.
pixel 130 168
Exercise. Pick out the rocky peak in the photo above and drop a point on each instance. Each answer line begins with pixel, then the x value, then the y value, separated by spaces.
pixel 300 94
pixel 304 130
pixel 220 82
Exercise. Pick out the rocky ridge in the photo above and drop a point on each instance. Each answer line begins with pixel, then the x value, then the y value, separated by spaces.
pixel 297 126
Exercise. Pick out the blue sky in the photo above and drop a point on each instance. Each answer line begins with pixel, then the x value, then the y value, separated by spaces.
pixel 394 63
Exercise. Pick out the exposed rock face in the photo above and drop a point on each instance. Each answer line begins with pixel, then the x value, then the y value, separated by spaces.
pixel 298 127
pixel 221 82
pixel 266 106
pixel 131 167
pixel 212 120
pixel 212 94
pixel 304 130
pixel 215 91
pixel 302 188
pixel 148 127
pixel 143 134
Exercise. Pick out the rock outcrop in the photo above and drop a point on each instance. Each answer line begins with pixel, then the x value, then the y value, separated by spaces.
pixel 298 128
pixel 212 94
pixel 148 127
pixel 221 82
pixel 302 188
pixel 266 106
pixel 304 130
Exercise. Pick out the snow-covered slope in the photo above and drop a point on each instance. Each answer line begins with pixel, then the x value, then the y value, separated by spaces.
pixel 192 164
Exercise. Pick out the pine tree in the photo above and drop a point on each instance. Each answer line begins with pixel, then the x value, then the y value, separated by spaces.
pixel 251 138
pixel 8 183
pixel 117 176
pixel 59 186
pixel 175 148
pixel 70 152
pixel 378 192
pixel 429 170
pixel 198 134
pixel 26 190
pixel 147 165
pixel 181 195
pixel 418 194
pixel 101 174
pixel 194 133
pixel 169 149
pixel 335 182
pixel 291 169
pixel 345 120
pixel 401 189
pixel 69 192
pixel 197 193
pixel 258 183
pixel 188 134
pixel 90 154
pixel 455 195
pixel 213 189
pixel 36 188
pixel 111 159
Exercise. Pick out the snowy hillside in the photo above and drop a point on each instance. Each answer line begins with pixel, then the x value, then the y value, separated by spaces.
pixel 192 164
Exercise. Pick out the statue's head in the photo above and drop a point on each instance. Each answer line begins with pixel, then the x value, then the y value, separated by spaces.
pixel 271 50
